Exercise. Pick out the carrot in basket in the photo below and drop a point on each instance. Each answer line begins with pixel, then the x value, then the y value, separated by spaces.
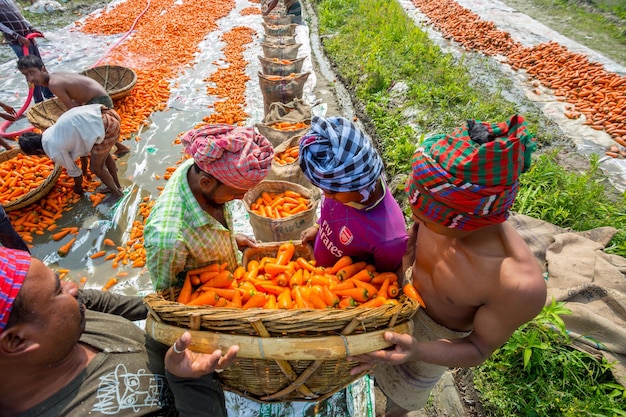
pixel 347 271
pixel 207 298
pixel 184 296
pixel 223 279
pixel 285 253
pixel 256 301
pixel 341 263
pixel 410 290
pixel 374 302
pixel 358 294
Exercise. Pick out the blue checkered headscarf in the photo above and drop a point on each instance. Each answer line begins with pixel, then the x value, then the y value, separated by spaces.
pixel 336 156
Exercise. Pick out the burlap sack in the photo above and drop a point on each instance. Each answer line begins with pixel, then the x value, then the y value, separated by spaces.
pixel 280 51
pixel 288 171
pixel 276 19
pixel 280 30
pixel 276 136
pixel 294 111
pixel 282 67
pixel 279 40
pixel 275 230
pixel 281 89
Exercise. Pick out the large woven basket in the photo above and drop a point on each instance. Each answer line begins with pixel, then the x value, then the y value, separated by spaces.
pixel 116 80
pixel 284 355
pixel 44 114
pixel 35 194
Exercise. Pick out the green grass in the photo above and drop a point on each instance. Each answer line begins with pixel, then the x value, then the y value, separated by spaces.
pixel 376 50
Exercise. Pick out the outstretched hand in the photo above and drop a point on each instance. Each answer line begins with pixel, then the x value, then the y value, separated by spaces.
pixel 400 353
pixel 189 364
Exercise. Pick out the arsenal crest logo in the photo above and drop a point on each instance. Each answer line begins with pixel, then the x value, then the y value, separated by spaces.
pixel 345 236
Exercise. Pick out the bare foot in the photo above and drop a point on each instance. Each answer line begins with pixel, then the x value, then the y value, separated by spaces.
pixel 103 189
pixel 121 149
pixel 113 198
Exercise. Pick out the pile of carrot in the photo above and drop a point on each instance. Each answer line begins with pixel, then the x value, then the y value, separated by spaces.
pixel 280 204
pixel 586 86
pixel 289 126
pixel 230 81
pixel 22 174
pixel 282 61
pixel 288 156
pixel 287 281
pixel 280 77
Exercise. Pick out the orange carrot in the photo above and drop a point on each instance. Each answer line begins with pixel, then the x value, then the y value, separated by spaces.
pixel 410 290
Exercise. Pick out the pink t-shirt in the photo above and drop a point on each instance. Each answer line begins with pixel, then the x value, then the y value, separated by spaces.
pixel 377 235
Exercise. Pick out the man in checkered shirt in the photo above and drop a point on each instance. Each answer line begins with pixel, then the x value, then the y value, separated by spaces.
pixel 15 28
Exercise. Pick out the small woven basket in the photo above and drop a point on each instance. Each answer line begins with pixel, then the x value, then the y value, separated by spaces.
pixel 284 355
pixel 44 114
pixel 116 80
pixel 35 194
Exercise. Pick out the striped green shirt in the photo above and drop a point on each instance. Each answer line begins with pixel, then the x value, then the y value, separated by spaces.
pixel 179 235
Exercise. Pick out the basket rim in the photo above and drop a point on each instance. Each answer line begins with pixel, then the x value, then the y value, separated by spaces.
pixel 291 348
pixel 115 93
pixel 35 194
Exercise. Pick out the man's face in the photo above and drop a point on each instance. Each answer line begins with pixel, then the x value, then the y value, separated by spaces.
pixel 218 193
pixel 59 318
pixel 35 76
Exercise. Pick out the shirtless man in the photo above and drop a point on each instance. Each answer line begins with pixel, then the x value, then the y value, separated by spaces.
pixel 478 278
pixel 72 89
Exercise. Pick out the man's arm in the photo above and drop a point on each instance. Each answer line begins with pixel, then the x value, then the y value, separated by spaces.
pixel 164 259
pixel 129 307
pixel 494 323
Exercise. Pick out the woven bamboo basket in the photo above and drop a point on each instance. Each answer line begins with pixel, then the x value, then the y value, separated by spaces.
pixel 35 194
pixel 116 80
pixel 44 114
pixel 284 355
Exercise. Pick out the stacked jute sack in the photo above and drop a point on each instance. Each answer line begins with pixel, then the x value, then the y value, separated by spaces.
pixel 286 119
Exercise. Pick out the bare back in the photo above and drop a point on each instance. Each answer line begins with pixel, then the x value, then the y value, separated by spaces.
pixel 488 281
pixel 74 89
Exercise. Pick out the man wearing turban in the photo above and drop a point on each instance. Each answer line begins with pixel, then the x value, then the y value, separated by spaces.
pixel 191 222
pixel 478 279
pixel 359 216
pixel 59 358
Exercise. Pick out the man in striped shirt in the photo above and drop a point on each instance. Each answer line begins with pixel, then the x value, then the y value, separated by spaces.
pixel 15 28
pixel 191 223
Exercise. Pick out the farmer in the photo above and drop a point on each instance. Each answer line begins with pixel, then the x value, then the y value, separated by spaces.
pixel 15 28
pixel 71 89
pixel 359 216
pixel 64 360
pixel 292 7
pixel 191 223
pixel 477 276
pixel 87 132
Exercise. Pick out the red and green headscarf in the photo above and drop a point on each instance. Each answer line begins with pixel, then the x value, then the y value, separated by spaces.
pixel 469 179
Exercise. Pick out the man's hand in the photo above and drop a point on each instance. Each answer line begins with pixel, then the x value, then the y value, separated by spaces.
pixel 402 352
pixel 309 234
pixel 184 363
pixel 23 41
pixel 244 241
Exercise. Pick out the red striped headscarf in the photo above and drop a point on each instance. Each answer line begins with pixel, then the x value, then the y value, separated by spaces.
pixel 235 155
pixel 469 179
pixel 14 266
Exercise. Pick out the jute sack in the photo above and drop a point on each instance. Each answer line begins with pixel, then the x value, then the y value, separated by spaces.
pixel 294 111
pixel 289 171
pixel 289 228
pixel 281 89
pixel 279 40
pixel 276 19
pixel 280 30
pixel 281 67
pixel 280 51
pixel 277 136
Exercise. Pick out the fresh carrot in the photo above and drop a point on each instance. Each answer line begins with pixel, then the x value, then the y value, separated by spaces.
pixel 256 301
pixel 374 302
pixel 98 254
pixel 184 296
pixel 341 263
pixel 347 271
pixel 63 250
pixel 410 290
pixel 208 298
